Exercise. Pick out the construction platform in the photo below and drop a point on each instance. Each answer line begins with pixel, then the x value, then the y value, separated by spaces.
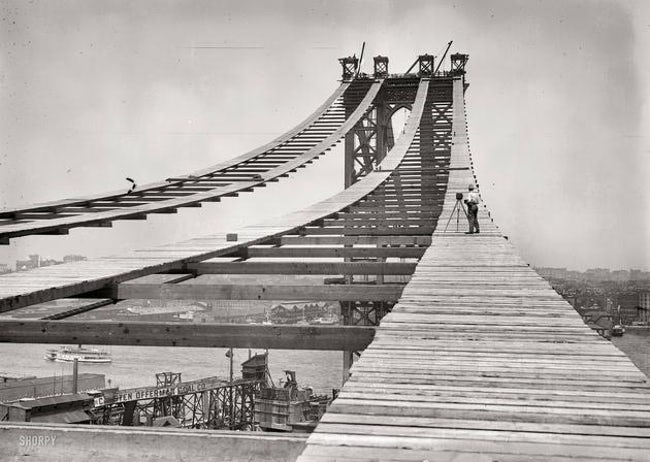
pixel 478 358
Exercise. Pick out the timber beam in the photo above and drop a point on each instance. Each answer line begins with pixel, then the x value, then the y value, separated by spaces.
pixel 388 215
pixel 363 231
pixel 171 334
pixel 335 252
pixel 201 290
pixel 373 208
pixel 72 443
pixel 395 221
pixel 341 268
pixel 353 240
pixel 78 310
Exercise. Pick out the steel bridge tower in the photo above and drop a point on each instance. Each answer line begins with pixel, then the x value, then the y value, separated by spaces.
pixel 373 136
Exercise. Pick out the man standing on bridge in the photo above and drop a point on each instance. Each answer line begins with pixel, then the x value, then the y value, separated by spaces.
pixel 472 210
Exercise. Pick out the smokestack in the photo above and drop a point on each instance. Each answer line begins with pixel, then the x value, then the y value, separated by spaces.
pixel 75 375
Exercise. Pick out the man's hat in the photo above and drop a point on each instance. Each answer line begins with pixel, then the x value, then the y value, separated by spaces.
pixel 471 186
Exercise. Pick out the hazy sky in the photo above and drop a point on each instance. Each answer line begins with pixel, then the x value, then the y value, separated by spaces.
pixel 94 91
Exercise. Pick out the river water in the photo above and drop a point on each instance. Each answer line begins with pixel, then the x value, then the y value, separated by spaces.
pixel 635 343
pixel 137 366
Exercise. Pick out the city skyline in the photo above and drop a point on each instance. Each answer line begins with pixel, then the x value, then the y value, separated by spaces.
pixel 541 269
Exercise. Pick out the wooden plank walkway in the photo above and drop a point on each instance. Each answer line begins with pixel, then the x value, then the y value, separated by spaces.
pixel 481 360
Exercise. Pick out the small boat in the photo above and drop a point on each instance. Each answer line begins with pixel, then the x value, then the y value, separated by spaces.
pixel 83 355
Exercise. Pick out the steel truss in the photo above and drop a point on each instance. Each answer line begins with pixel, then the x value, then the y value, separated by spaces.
pixel 230 407
pixel 373 136
pixel 364 313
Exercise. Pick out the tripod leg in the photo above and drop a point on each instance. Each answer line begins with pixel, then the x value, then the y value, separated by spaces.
pixel 465 212
pixel 451 216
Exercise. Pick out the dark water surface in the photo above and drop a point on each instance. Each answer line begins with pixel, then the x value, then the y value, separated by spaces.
pixel 635 343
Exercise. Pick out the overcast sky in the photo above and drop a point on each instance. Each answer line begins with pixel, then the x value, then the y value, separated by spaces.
pixel 94 91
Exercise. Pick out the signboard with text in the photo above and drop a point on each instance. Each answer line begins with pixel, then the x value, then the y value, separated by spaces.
pixel 183 388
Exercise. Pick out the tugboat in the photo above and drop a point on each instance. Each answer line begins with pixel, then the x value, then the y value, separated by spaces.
pixel 83 355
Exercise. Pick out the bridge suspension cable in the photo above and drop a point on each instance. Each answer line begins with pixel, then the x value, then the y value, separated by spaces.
pixel 295 149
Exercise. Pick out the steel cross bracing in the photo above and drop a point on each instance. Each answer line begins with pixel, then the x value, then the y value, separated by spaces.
pixel 220 406
pixel 372 137
pixel 295 149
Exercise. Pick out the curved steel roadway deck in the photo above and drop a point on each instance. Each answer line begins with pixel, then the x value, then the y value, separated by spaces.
pixel 482 361
pixel 49 283
pixel 295 149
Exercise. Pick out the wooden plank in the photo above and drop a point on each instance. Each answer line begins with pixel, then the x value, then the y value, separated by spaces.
pixel 60 309
pixel 160 278
pixel 495 399
pixel 491 412
pixel 78 310
pixel 549 449
pixel 478 391
pixel 603 443
pixel 320 452
pixel 68 442
pixel 369 231
pixel 355 292
pixel 339 268
pixel 334 252
pixel 381 222
pixel 185 334
pixel 550 429
pixel 352 240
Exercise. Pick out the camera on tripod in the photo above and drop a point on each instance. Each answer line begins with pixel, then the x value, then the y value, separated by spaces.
pixel 456 210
